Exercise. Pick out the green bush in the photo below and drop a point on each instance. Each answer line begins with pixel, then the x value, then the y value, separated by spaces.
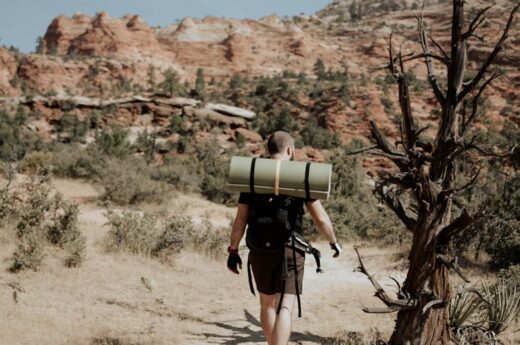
pixel 182 172
pixel 175 234
pixel 318 137
pixel 131 232
pixel 128 182
pixel 43 219
pixel 152 234
pixel 214 184
pixel 497 232
pixel 510 274
pixel 278 121
pixel 15 139
pixel 504 307
pixel 63 230
pixel 62 160
pixel 114 142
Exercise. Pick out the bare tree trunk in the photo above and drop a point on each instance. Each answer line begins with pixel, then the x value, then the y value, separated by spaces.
pixel 427 173
pixel 414 326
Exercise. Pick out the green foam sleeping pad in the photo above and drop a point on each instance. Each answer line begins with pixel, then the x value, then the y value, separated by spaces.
pixel 298 179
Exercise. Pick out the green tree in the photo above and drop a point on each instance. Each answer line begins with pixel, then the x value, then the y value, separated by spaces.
pixel 200 85
pixel 171 82
pixel 319 69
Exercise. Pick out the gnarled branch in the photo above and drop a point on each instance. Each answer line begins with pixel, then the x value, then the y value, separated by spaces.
pixel 453 264
pixel 382 144
pixel 391 303
pixel 476 22
pixel 393 202
pixel 455 227
pixel 474 106
pixel 439 95
pixel 498 47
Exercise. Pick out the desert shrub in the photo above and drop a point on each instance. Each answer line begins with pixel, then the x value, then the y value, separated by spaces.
pixel 15 139
pixel 183 173
pixel 76 162
pixel 69 128
pixel 131 232
pixel 463 308
pixel 64 232
pixel 175 234
pixel 156 235
pixel 62 160
pixel 128 182
pixel 318 137
pixel 114 142
pixel 497 231
pixel 278 121
pixel 29 252
pixel 210 239
pixel 8 200
pixel 215 173
pixel 510 274
pixel 45 219
pixel 504 307
pixel 35 162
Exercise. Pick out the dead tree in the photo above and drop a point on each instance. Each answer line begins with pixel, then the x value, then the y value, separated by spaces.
pixel 427 172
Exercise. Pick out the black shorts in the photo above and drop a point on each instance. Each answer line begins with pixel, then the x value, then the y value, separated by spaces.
pixel 267 271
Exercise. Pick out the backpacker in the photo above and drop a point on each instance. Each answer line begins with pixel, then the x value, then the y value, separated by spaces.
pixel 271 227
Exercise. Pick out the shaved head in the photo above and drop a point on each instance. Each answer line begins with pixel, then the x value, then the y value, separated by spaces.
pixel 278 142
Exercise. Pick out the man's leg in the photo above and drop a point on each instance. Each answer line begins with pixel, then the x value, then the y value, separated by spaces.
pixel 283 324
pixel 267 315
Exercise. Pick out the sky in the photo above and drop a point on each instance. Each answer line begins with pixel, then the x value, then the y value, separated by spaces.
pixel 22 21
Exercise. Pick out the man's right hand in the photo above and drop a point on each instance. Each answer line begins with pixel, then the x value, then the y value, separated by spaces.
pixel 234 261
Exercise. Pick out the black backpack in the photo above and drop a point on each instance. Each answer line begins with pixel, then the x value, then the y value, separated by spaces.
pixel 269 223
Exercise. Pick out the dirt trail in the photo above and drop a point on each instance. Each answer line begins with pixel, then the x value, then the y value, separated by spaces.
pixel 193 301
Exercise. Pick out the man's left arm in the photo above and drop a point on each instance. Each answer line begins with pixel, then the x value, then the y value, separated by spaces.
pixel 322 221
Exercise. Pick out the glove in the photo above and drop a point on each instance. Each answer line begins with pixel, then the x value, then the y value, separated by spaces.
pixel 234 260
pixel 336 248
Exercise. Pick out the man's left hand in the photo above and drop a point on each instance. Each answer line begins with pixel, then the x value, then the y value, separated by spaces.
pixel 234 262
pixel 336 248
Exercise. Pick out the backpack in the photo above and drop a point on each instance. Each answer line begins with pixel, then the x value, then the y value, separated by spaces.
pixel 269 226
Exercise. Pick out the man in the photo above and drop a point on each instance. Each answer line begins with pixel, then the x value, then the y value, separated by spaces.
pixel 276 317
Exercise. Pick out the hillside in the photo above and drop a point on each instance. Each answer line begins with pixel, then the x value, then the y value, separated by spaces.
pixel 104 57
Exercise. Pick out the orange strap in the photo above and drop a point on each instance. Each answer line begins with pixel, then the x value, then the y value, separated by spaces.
pixel 277 177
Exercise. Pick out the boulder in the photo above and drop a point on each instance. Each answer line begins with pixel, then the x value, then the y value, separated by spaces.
pixel 249 135
pixel 204 113
pixel 231 110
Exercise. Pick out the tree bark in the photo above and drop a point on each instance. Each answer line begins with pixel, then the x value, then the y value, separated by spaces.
pixel 427 280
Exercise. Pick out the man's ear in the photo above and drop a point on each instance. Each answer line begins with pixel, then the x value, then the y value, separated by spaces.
pixel 290 152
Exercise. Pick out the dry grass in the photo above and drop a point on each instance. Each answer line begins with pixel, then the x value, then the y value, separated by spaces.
pixel 194 300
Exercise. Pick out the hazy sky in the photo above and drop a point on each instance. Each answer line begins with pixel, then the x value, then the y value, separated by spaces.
pixel 22 21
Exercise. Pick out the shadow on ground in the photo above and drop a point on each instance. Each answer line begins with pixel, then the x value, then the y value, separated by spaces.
pixel 251 333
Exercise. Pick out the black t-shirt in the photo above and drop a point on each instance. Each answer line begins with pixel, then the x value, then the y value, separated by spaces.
pixel 295 208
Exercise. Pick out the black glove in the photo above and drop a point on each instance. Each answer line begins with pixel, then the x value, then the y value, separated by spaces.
pixel 234 260
pixel 336 248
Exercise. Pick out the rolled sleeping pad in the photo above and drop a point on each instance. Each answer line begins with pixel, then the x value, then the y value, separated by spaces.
pixel 280 177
